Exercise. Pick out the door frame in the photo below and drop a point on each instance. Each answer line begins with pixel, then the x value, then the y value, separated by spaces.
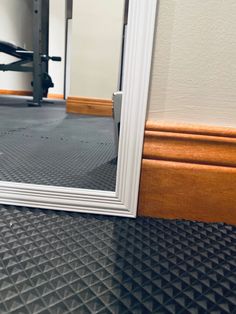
pixel 122 202
pixel 68 27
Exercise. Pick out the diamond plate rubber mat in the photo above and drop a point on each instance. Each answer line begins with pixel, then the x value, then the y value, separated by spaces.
pixel 56 262
pixel 47 146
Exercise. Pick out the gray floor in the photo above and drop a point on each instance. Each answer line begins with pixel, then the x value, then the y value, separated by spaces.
pixel 47 146
pixel 60 263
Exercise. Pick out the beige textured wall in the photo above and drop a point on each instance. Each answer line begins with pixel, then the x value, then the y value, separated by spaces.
pixel 96 47
pixel 194 65
pixel 15 27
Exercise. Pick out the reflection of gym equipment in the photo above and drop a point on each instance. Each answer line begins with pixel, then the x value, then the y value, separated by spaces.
pixel 38 58
pixel 25 57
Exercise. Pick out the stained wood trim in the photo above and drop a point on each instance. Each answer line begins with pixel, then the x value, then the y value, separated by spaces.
pixel 191 148
pixel 27 93
pixel 189 173
pixel 191 129
pixel 56 96
pixel 89 106
pixel 175 190
pixel 16 92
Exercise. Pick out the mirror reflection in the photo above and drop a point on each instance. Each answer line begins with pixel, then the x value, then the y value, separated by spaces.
pixel 61 77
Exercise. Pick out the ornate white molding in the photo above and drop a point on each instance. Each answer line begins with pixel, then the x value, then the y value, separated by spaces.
pixel 123 202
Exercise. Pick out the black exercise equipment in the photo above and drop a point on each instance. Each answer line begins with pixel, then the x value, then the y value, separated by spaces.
pixel 13 50
pixel 25 57
pixel 35 61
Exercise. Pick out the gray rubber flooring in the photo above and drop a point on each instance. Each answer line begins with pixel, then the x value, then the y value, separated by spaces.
pixel 47 146
pixel 56 262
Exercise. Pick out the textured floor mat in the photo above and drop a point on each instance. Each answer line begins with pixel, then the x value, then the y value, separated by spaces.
pixel 47 146
pixel 56 262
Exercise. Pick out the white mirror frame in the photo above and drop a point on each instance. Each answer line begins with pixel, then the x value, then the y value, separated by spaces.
pixel 122 202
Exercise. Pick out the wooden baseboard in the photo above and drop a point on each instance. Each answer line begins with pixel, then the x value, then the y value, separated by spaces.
pixel 16 92
pixel 56 96
pixel 189 172
pixel 27 93
pixel 89 106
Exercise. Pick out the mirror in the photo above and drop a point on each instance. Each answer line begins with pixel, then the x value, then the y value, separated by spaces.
pixel 34 140
pixel 61 77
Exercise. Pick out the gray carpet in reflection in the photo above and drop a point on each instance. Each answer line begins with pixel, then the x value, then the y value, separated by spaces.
pixel 47 146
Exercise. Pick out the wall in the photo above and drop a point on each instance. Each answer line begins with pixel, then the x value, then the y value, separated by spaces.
pixel 194 68
pixel 15 27
pixel 57 44
pixel 96 47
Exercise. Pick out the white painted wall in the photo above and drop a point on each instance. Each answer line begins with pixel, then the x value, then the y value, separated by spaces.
pixel 96 47
pixel 57 44
pixel 15 27
pixel 194 66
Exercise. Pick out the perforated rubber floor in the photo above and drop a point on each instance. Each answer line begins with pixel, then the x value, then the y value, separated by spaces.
pixel 47 146
pixel 57 262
